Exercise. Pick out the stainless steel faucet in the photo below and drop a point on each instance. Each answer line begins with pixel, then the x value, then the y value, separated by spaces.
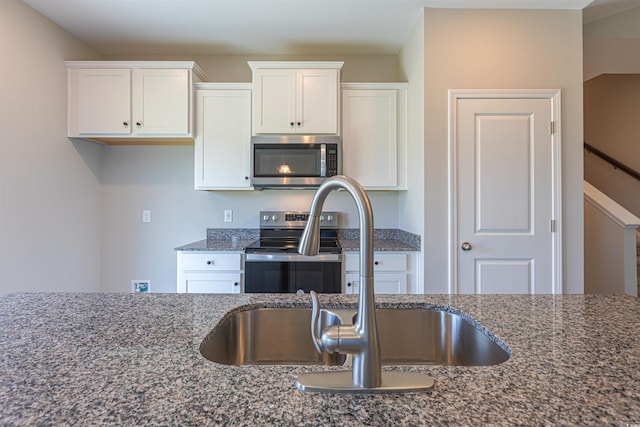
pixel 360 338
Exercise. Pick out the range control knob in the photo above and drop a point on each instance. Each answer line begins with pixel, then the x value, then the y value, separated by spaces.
pixel 330 218
pixel 275 217
pixel 265 218
pixel 321 217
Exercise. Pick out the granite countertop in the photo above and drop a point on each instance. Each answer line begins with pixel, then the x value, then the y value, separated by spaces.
pixel 133 359
pixel 236 239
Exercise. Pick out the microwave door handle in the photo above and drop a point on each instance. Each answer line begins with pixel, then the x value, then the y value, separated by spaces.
pixel 323 160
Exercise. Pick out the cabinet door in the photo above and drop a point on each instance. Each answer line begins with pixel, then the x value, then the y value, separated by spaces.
pixel 383 283
pixel 274 93
pixel 390 283
pixel 391 273
pixel 103 101
pixel 316 101
pixel 161 99
pixel 223 138
pixel 370 131
pixel 351 283
pixel 212 283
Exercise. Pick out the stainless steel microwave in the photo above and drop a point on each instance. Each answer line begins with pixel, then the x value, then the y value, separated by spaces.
pixel 293 161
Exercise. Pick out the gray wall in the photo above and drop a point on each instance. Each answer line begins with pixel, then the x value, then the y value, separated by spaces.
pixel 501 49
pixel 612 104
pixel 49 186
pixel 611 109
pixel 160 178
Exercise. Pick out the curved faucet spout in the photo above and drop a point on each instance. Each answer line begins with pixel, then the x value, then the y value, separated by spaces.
pixel 362 338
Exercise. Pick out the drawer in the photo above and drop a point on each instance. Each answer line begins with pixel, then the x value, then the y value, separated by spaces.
pixel 209 261
pixel 381 262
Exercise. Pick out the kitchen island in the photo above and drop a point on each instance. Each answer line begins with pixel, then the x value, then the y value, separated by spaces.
pixel 133 359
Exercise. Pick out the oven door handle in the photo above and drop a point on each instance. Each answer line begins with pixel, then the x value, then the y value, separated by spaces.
pixel 293 257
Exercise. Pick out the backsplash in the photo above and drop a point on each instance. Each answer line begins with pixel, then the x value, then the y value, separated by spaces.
pixel 230 233
pixel 381 234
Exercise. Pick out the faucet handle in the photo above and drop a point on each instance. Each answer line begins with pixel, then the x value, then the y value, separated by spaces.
pixel 315 317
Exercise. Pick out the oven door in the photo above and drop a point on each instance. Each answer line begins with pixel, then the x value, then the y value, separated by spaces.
pixel 292 273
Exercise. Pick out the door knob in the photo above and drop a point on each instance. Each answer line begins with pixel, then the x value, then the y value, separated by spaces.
pixel 466 246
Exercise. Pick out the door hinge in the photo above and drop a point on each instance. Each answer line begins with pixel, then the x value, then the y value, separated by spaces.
pixel 553 225
pixel 552 127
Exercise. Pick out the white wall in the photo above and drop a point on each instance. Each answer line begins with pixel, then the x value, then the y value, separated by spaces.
pixel 49 189
pixel 611 44
pixel 160 178
pixel 611 107
pixel 412 64
pixel 501 49
pixel 411 202
pixel 234 68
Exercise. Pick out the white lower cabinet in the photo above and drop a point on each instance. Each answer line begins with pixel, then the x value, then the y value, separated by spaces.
pixel 392 273
pixel 209 272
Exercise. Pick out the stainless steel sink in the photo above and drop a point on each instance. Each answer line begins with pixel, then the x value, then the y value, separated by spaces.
pixel 268 336
pixel 282 336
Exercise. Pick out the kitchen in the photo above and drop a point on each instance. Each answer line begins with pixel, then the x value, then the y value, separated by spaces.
pixel 80 194
pixel 107 188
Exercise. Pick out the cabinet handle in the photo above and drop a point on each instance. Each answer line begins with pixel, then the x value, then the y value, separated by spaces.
pixel 376 263
pixel 138 124
pixel 125 124
pixel 291 124
pixel 349 284
pixel 209 262
pixel 235 283
pixel 246 177
pixel 299 124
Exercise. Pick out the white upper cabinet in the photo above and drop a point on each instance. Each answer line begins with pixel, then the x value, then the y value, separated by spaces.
pixel 295 97
pixel 161 102
pixel 223 136
pixel 374 134
pixel 120 102
pixel 102 101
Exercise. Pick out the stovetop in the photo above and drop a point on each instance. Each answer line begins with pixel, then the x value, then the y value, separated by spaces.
pixel 280 232
pixel 290 245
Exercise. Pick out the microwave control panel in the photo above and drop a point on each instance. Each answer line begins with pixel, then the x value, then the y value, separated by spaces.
pixel 332 159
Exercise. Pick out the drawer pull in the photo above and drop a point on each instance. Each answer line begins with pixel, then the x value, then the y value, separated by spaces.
pixel 209 262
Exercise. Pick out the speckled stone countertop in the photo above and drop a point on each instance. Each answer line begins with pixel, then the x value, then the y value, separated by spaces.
pixel 224 239
pixel 236 239
pixel 133 359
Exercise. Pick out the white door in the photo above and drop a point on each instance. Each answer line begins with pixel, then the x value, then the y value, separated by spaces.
pixel 505 235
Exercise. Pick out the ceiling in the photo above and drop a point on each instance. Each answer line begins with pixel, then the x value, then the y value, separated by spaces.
pixel 207 27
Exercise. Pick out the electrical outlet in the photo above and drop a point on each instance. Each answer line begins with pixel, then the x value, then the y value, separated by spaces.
pixel 146 215
pixel 140 286
pixel 228 215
